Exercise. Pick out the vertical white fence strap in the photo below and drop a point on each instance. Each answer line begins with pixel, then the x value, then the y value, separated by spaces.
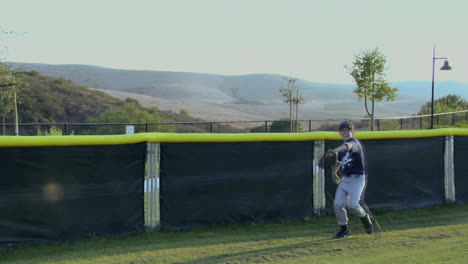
pixel 449 170
pixel 152 208
pixel 318 178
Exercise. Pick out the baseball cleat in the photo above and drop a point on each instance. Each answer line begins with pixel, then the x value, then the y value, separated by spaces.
pixel 344 232
pixel 366 221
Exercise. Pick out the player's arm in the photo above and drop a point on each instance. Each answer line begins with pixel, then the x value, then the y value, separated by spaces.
pixel 344 147
pixel 335 178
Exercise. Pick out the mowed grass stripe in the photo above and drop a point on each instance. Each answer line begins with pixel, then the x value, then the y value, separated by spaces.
pixel 436 235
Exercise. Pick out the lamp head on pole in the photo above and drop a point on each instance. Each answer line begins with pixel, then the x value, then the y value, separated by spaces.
pixel 446 66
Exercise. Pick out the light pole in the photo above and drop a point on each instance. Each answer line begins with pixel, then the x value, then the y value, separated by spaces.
pixel 446 67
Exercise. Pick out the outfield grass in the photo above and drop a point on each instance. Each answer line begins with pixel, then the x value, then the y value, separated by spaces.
pixel 435 235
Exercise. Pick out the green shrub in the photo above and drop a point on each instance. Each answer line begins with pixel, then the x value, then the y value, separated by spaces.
pixel 53 131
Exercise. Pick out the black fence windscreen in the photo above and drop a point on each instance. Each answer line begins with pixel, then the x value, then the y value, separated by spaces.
pixel 461 169
pixel 218 183
pixel 402 173
pixel 66 193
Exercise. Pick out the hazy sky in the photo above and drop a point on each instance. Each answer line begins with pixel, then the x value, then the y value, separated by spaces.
pixel 308 39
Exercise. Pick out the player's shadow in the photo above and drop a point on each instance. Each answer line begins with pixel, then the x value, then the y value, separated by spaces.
pixel 270 254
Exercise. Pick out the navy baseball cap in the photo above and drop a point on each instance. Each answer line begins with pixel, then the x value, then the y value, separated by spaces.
pixel 347 124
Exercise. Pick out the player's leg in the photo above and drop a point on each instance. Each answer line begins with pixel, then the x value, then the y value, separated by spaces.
pixel 355 190
pixel 355 187
pixel 339 206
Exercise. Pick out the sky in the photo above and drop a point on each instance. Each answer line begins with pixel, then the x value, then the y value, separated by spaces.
pixel 307 39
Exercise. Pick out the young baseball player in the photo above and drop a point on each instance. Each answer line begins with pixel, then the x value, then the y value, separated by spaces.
pixel 352 165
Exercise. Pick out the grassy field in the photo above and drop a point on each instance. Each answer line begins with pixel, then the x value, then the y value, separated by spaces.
pixel 435 235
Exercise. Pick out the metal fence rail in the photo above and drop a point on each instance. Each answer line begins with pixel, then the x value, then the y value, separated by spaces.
pixel 271 126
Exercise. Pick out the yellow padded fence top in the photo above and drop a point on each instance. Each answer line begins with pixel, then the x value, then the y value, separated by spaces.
pixel 31 141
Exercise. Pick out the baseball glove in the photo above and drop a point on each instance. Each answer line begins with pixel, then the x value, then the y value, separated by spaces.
pixel 327 160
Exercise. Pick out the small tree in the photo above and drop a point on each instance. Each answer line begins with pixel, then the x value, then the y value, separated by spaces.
pixel 292 97
pixel 368 73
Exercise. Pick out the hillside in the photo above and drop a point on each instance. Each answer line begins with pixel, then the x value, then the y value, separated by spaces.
pixel 52 99
pixel 48 99
pixel 245 97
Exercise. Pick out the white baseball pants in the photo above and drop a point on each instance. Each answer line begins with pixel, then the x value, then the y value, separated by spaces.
pixel 348 196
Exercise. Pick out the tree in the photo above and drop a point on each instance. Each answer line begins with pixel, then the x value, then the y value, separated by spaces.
pixel 448 103
pixel 184 111
pixel 10 84
pixel 368 72
pixel 292 97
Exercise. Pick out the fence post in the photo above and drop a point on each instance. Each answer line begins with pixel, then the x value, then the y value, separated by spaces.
pixel 378 124
pixel 152 212
pixel 211 127
pixel 453 119
pixel 310 125
pixel 66 129
pixel 449 170
pixel 266 126
pixel 420 122
pixel 401 123
pixel 318 184
pixel 146 127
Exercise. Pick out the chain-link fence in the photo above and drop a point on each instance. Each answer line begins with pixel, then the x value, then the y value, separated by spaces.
pixel 453 119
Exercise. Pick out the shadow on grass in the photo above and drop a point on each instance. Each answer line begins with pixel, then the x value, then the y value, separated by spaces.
pixel 272 253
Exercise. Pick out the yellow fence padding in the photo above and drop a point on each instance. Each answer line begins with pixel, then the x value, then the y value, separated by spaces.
pixel 31 141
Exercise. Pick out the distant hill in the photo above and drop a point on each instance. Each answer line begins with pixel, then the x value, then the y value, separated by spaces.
pixel 257 96
pixel 48 99
pixel 423 89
